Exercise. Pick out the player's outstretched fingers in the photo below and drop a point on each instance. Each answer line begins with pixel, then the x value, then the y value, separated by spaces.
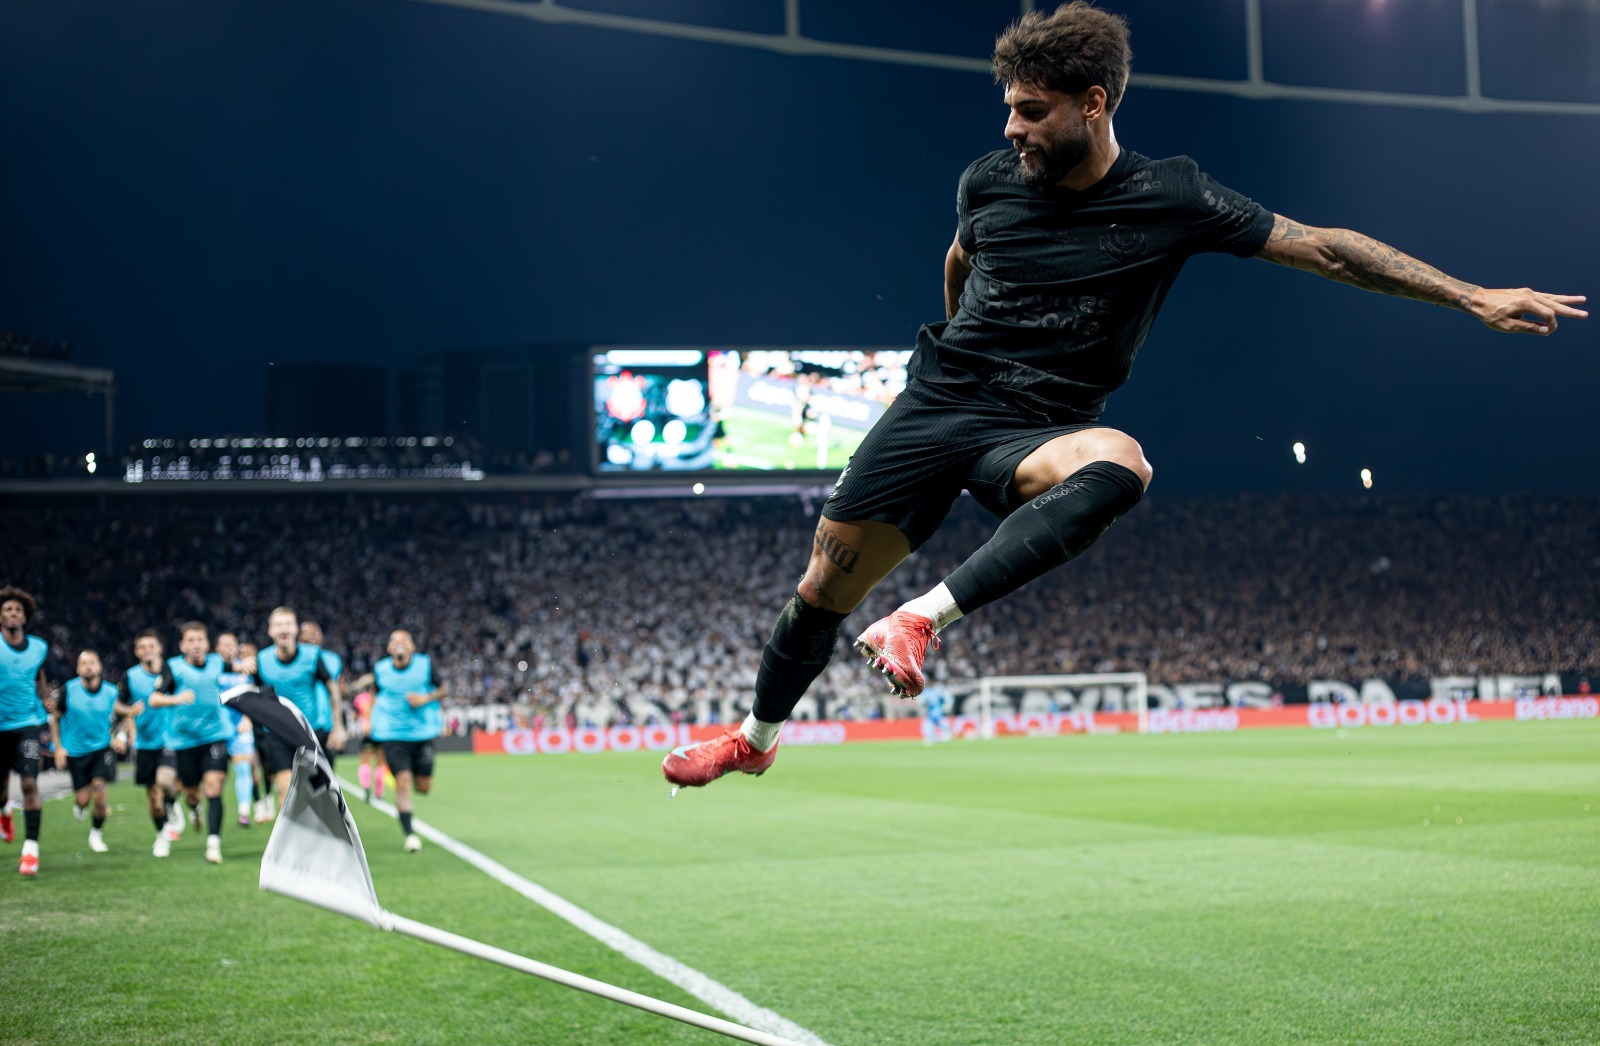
pixel 1565 304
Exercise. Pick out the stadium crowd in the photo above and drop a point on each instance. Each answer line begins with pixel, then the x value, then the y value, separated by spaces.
pixel 581 609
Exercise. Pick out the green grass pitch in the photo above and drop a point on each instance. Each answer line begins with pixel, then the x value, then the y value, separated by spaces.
pixel 1429 885
pixel 754 435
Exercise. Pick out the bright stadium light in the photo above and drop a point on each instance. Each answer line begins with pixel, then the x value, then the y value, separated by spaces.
pixel 643 431
pixel 674 432
pixel 1366 478
pixel 699 488
pixel 89 463
pixel 1300 453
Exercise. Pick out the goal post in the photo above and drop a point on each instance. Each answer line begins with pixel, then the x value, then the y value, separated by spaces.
pixel 1021 699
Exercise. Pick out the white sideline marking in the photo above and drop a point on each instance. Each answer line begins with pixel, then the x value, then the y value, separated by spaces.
pixel 712 993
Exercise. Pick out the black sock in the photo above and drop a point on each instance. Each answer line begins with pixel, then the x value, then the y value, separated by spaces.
pixel 255 789
pixel 99 821
pixel 801 645
pixel 405 821
pixel 30 819
pixel 214 815
pixel 1046 532
pixel 160 821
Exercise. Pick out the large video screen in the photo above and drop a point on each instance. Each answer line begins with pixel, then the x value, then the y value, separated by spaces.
pixel 774 409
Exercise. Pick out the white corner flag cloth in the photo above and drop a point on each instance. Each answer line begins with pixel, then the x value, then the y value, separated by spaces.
pixel 314 854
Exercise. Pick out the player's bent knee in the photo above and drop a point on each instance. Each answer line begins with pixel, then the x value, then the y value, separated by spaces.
pixel 820 594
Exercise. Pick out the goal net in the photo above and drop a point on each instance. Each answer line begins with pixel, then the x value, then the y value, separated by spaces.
pixel 1094 702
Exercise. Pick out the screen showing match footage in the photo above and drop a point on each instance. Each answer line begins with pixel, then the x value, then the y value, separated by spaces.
pixel 771 409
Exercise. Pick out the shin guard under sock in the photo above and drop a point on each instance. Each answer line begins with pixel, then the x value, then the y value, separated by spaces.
pixel 1045 533
pixel 801 645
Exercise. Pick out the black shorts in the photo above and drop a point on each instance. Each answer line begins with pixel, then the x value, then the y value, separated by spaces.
pixel 85 768
pixel 415 756
pixel 194 763
pixel 19 752
pixel 933 442
pixel 146 761
pixel 277 755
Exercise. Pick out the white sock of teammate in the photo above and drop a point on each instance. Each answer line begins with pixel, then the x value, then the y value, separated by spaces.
pixel 761 735
pixel 30 848
pixel 938 605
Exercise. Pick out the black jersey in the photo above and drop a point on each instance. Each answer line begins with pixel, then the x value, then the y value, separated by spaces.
pixel 1065 284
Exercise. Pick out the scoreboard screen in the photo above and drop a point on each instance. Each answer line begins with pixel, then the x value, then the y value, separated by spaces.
pixel 707 409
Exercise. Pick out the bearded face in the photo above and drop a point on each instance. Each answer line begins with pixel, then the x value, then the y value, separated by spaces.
pixel 1049 132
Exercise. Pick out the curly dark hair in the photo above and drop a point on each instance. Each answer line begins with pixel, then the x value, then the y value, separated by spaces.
pixel 1077 47
pixel 29 605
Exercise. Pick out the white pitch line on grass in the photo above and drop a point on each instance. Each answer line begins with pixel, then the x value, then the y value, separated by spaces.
pixel 712 993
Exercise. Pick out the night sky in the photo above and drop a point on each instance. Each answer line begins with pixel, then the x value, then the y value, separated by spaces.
pixel 194 189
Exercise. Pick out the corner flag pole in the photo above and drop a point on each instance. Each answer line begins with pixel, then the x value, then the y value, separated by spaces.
pixel 443 938
pixel 314 855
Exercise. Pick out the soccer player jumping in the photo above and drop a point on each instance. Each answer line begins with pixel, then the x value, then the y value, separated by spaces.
pixel 1066 245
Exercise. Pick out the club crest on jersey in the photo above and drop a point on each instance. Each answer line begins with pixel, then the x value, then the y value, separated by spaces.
pixel 1123 243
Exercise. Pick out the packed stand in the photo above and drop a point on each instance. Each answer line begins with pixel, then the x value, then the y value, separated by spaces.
pixel 589 610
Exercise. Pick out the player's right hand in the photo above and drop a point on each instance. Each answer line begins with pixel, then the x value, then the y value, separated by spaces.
pixel 61 758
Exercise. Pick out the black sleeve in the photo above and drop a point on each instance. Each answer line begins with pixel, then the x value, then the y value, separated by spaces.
pixel 167 684
pixel 322 670
pixel 964 231
pixel 255 677
pixel 1218 218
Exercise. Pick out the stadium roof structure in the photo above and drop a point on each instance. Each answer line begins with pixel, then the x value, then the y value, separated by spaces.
pixel 31 375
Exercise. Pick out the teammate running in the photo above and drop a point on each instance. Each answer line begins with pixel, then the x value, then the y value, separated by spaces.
pixel 150 689
pixel 293 669
pixel 1066 245
pixel 198 729
pixel 241 735
pixel 80 731
pixel 371 772
pixel 406 718
pixel 328 723
pixel 24 703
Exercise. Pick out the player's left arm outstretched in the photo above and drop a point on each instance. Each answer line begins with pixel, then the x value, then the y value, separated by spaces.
pixel 1361 261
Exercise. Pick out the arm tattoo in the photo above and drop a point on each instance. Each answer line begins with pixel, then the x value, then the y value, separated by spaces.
pixel 1361 261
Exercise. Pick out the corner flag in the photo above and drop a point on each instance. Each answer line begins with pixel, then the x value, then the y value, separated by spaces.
pixel 315 855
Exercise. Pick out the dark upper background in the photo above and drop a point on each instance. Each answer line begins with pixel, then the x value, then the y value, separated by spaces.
pixel 196 188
